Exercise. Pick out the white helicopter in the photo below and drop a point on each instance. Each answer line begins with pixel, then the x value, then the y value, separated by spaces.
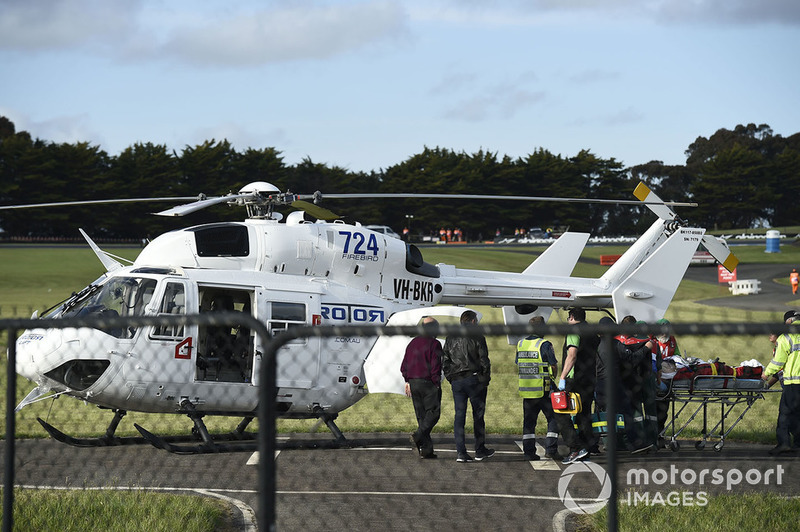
pixel 293 272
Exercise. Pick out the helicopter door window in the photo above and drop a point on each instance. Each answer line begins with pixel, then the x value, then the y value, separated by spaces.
pixel 173 303
pixel 286 315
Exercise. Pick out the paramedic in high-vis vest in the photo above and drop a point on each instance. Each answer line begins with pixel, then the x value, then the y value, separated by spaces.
pixel 787 359
pixel 536 363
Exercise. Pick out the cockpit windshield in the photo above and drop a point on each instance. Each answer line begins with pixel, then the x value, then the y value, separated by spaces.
pixel 119 296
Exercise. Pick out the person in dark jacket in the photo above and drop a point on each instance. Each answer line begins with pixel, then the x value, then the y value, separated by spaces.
pixel 629 358
pixel 422 371
pixel 635 374
pixel 465 362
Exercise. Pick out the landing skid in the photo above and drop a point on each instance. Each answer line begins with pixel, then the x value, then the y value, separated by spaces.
pixel 199 442
pixel 111 440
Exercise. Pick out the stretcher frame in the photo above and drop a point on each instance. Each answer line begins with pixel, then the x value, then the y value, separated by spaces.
pixel 703 393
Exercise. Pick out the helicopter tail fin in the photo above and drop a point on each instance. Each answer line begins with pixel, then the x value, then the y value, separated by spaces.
pixel 648 290
pixel 558 259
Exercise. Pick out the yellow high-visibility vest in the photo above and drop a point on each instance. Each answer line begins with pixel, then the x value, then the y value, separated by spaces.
pixel 786 358
pixel 534 373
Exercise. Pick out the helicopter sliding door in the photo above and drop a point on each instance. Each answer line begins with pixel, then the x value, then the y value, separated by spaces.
pixel 298 360
pixel 224 353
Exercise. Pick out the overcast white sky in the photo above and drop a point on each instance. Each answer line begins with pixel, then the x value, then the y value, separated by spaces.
pixel 365 84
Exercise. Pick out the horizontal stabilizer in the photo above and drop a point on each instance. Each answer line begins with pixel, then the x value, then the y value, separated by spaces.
pixel 559 259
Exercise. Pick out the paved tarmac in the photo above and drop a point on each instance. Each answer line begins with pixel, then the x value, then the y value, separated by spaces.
pixel 379 483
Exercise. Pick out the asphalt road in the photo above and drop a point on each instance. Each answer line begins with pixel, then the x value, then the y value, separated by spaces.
pixel 380 484
pixel 773 297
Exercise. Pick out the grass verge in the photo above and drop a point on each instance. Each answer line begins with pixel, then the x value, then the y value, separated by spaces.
pixel 117 511
pixel 737 512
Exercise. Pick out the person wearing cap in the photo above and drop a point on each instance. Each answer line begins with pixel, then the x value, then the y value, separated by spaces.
pixel 787 359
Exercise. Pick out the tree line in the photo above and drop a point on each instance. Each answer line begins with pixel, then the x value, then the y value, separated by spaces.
pixel 740 178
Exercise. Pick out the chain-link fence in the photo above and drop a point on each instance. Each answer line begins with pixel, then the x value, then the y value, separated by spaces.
pixel 245 390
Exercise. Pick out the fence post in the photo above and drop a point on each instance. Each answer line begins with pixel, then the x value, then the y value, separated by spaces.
pixel 267 483
pixel 11 433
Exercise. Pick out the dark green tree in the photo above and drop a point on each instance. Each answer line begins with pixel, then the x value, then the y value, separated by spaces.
pixel 730 189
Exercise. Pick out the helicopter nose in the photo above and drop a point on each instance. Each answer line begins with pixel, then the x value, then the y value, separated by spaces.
pixel 34 348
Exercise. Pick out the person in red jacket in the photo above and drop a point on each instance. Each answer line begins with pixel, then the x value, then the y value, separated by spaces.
pixel 794 279
pixel 422 371
pixel 665 346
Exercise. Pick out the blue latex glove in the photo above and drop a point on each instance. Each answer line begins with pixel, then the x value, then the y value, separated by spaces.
pixel 662 386
pixel 562 385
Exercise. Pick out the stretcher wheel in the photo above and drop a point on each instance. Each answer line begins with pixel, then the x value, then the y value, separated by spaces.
pixel 674 446
pixel 718 446
pixel 700 445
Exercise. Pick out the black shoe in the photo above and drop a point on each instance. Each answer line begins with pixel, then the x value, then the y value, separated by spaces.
pixel 594 451
pixel 464 458
pixel 532 457
pixel 642 449
pixel 780 449
pixel 554 456
pixel 428 456
pixel 416 443
pixel 483 454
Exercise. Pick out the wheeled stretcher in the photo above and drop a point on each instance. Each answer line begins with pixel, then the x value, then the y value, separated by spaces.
pixel 702 392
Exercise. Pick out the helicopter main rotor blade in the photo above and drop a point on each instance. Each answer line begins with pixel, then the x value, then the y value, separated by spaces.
pixel 182 210
pixel 514 198
pixel 320 213
pixel 93 202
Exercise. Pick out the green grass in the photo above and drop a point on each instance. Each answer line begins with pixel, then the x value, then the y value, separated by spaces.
pixel 761 511
pixel 116 511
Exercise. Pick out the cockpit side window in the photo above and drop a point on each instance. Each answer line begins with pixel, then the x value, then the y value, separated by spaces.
pixel 173 303
pixel 119 296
